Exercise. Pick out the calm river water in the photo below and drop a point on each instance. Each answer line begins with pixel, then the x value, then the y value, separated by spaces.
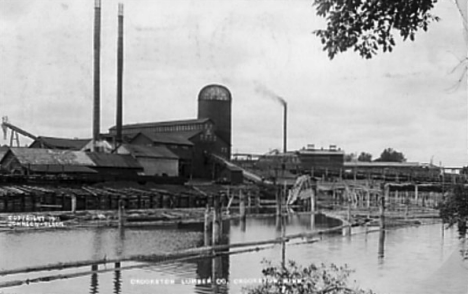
pixel 418 260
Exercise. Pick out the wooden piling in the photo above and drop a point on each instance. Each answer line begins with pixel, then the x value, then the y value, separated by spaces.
pixel 407 202
pixel 313 200
pixel 207 226
pixel 216 221
pixel 416 196
pixel 121 213
pixel 278 202
pixel 73 203
pixel 242 210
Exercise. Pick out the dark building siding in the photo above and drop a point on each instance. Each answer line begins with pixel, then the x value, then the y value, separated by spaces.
pixel 204 145
pixel 214 102
pixel 322 160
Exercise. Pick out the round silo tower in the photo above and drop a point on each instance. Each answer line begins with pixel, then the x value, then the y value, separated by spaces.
pixel 214 102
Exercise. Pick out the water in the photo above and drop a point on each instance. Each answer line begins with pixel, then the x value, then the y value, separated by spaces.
pixel 412 260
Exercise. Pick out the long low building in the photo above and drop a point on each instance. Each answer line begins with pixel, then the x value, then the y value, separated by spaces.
pixel 49 161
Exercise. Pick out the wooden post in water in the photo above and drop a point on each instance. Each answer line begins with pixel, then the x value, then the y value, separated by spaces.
pixel 207 226
pixel 278 201
pixel 242 210
pixel 312 200
pixel 382 225
pixel 121 212
pixel 216 221
pixel 382 205
pixel 73 203
pixel 407 202
pixel 416 194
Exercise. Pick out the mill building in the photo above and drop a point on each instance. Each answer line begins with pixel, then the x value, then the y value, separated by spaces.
pixel 195 140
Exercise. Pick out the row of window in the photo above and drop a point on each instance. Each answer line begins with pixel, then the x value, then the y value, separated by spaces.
pixel 182 128
pixel 211 138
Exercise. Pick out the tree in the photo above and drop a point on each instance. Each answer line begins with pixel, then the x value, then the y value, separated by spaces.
pixel 350 157
pixel 390 155
pixel 296 279
pixel 454 209
pixel 368 25
pixel 364 156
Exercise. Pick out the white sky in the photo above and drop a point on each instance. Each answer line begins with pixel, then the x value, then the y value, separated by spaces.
pixel 408 100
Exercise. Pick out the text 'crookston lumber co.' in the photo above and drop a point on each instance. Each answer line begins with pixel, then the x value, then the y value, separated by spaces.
pixel 219 281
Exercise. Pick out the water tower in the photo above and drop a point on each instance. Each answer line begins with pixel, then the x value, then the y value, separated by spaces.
pixel 214 102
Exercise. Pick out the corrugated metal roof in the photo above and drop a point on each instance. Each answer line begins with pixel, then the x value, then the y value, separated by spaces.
pixel 150 151
pixel 37 156
pixel 62 143
pixel 177 138
pixel 113 160
pixel 164 123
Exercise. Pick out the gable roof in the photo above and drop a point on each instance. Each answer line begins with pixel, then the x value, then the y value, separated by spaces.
pixel 38 156
pixel 150 151
pixel 61 143
pixel 163 123
pixel 176 138
pixel 113 160
pixel 3 152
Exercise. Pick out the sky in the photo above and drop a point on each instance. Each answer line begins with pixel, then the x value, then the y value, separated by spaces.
pixel 410 100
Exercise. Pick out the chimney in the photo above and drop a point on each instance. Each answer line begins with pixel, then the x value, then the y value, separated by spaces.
pixel 285 126
pixel 97 49
pixel 118 137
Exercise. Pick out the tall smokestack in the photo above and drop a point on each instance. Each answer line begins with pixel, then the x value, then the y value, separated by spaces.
pixel 118 137
pixel 285 127
pixel 97 71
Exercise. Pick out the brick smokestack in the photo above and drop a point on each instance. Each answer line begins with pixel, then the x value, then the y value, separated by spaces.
pixel 118 137
pixel 285 127
pixel 97 73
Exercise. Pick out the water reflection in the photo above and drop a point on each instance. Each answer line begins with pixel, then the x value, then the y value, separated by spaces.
pixel 117 279
pixel 381 251
pixel 419 247
pixel 94 289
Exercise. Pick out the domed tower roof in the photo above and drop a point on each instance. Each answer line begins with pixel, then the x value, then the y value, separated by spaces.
pixel 215 92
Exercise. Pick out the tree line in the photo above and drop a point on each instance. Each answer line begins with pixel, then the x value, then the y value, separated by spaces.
pixel 387 155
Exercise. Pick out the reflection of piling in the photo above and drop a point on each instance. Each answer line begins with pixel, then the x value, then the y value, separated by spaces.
pixel 382 222
pixel 283 243
pixel 117 279
pixel 94 280
pixel 381 243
